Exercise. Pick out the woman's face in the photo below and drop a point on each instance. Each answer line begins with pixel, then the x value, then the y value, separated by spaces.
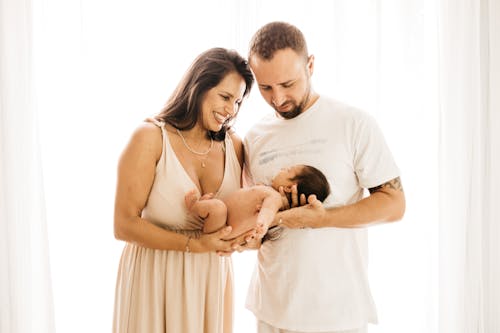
pixel 222 101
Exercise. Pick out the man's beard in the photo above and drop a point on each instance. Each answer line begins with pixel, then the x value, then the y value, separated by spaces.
pixel 298 108
pixel 293 113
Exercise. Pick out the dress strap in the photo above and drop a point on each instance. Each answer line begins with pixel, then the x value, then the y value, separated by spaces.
pixel 157 122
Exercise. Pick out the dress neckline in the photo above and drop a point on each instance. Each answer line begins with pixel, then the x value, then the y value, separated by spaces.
pixel 186 174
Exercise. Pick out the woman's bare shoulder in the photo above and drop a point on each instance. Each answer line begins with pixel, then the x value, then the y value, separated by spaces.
pixel 146 137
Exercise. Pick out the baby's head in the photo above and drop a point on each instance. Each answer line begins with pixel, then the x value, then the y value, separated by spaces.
pixel 309 181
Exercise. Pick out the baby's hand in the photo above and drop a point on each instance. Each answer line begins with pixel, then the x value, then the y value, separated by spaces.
pixel 190 199
pixel 207 196
pixel 262 225
pixel 247 241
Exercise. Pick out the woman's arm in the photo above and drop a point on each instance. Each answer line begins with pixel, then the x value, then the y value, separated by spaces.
pixel 136 172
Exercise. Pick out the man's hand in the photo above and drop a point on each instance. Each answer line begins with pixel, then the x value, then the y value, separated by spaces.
pixel 294 198
pixel 310 215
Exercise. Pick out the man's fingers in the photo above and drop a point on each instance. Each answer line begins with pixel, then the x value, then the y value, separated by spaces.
pixel 303 199
pixel 295 196
pixel 284 200
pixel 312 200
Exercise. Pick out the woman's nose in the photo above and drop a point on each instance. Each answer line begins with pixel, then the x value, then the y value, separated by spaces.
pixel 230 109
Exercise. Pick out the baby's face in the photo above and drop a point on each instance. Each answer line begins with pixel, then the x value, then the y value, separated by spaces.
pixel 285 176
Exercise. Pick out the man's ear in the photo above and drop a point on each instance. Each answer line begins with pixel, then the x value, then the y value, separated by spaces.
pixel 310 64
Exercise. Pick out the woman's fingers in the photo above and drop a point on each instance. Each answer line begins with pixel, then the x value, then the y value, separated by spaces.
pixel 215 241
pixel 224 231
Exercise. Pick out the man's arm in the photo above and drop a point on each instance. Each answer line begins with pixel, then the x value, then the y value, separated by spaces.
pixel 386 203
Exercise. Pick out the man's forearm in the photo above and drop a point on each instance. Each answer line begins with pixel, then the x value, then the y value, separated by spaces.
pixel 384 205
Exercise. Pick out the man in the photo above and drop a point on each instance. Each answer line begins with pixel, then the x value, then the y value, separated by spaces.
pixel 314 277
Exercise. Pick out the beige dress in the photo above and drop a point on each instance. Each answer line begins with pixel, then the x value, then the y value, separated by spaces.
pixel 172 291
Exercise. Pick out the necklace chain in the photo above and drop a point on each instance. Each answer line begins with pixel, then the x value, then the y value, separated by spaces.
pixel 192 150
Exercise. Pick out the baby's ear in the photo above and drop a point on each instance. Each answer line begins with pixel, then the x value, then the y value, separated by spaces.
pixel 288 189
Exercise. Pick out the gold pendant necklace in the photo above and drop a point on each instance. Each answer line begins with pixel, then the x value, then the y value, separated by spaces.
pixel 202 159
pixel 205 153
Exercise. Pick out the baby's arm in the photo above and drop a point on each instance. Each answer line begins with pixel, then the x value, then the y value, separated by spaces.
pixel 271 204
pixel 212 211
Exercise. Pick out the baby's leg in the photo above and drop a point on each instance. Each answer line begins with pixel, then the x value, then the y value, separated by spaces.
pixel 214 214
pixel 212 211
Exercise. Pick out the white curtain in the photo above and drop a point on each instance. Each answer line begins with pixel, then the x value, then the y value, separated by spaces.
pixel 427 69
pixel 25 289
pixel 469 240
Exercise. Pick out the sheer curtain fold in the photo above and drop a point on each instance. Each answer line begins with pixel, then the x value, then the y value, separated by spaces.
pixel 492 207
pixel 491 14
pixel 25 293
pixel 469 170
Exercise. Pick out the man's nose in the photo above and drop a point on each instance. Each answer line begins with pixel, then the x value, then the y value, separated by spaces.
pixel 278 98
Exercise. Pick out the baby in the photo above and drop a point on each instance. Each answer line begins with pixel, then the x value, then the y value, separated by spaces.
pixel 249 207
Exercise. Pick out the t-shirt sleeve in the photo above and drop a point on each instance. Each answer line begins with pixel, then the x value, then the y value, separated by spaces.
pixel 373 160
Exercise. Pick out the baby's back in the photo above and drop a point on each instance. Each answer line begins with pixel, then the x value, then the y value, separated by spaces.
pixel 243 207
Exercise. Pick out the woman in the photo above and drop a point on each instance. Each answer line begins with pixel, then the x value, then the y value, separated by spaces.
pixel 172 277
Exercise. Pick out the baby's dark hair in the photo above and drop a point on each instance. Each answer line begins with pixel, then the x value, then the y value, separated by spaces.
pixel 309 181
pixel 312 181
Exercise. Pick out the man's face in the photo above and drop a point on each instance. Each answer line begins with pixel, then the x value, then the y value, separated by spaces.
pixel 284 81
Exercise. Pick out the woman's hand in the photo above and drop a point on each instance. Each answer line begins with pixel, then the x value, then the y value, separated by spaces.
pixel 214 241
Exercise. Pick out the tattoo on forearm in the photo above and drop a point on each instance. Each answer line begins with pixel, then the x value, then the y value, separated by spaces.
pixel 394 184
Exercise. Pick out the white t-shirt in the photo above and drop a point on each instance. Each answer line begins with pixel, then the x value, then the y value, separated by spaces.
pixel 316 279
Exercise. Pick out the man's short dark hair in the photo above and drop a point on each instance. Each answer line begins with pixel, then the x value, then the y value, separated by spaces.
pixel 277 36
